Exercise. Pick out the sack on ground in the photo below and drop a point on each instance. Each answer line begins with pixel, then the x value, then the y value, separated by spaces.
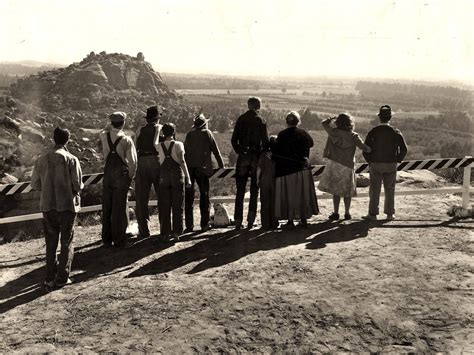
pixel 221 216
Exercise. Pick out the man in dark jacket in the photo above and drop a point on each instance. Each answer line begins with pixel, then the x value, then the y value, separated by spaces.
pixel 388 148
pixel 249 137
pixel 198 145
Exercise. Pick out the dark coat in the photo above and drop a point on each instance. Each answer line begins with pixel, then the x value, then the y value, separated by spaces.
pixel 250 133
pixel 387 143
pixel 198 145
pixel 291 151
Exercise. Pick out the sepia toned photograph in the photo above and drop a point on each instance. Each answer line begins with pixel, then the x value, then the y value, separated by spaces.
pixel 228 177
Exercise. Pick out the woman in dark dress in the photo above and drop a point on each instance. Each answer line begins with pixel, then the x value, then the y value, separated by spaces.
pixel 294 190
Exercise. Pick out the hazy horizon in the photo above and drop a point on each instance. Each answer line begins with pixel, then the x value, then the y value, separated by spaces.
pixel 428 40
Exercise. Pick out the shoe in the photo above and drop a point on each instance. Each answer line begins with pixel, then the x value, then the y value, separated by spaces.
pixel 175 238
pixel 347 216
pixel 333 216
pixel 205 228
pixel 62 284
pixel 390 217
pixel 238 227
pixel 370 217
pixel 188 230
pixel 303 223
pixel 49 284
pixel 288 225
pixel 123 244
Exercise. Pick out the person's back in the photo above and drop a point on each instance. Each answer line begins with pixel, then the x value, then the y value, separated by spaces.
pixel 387 148
pixel 147 139
pixel 58 176
pixel 387 145
pixel 292 151
pixel 200 145
pixel 248 139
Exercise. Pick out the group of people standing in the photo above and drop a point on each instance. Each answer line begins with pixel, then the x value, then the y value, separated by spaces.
pixel 277 166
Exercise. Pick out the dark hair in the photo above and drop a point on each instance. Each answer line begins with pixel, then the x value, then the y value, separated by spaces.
pixel 168 129
pixel 254 103
pixel 345 122
pixel 61 135
pixel 118 125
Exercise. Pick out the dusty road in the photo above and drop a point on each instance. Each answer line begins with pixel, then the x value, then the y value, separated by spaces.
pixel 405 285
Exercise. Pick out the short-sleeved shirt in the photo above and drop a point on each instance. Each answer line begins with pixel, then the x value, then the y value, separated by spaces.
pixel 125 149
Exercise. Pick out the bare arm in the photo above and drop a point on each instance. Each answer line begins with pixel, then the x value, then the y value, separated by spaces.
pixel 131 158
pixel 182 164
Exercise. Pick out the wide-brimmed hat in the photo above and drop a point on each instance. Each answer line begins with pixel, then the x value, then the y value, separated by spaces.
pixel 385 111
pixel 200 121
pixel 152 112
pixel 118 116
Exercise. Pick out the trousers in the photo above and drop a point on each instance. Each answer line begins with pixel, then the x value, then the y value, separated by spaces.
pixel 114 207
pixel 246 167
pixel 58 226
pixel 385 173
pixel 171 197
pixel 148 174
pixel 198 176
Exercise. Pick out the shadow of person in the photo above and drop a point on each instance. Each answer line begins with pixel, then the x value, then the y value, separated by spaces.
pixel 90 263
pixel 224 248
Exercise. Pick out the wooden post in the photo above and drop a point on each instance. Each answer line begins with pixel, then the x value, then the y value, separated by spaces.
pixel 466 184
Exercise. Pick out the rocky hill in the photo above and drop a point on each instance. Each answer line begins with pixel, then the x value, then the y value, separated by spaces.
pixel 79 97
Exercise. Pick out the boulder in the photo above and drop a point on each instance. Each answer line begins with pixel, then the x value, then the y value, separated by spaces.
pixel 140 56
pixel 132 76
pixel 32 134
pixel 115 75
pixel 7 179
pixel 11 123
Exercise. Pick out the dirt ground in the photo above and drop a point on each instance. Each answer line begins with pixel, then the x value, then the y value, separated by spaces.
pixel 399 286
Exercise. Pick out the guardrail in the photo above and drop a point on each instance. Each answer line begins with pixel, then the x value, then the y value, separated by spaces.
pixel 227 173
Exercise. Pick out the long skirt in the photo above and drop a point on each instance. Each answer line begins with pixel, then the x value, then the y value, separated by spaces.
pixel 295 196
pixel 338 180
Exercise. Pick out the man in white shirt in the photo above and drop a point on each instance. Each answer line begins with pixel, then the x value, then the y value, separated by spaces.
pixel 119 170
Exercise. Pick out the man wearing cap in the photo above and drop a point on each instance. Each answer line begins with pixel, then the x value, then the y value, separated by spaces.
pixel 388 148
pixel 119 170
pixel 198 145
pixel 58 175
pixel 147 139
pixel 248 139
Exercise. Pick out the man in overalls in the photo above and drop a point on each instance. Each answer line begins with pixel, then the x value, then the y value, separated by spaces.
pixel 120 166
pixel 148 172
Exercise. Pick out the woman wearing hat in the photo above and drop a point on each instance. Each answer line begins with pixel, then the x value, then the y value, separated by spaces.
pixel 199 144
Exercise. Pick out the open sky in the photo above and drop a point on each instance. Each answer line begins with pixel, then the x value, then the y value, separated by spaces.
pixel 417 39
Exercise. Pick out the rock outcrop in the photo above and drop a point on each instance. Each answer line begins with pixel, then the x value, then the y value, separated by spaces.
pixel 102 79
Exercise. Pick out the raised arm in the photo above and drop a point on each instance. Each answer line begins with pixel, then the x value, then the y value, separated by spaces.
pixel 327 124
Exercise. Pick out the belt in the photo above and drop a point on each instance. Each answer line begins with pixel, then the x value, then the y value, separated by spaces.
pixel 147 154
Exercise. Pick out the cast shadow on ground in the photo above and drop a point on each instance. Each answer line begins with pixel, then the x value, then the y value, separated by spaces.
pixel 224 248
pixel 91 263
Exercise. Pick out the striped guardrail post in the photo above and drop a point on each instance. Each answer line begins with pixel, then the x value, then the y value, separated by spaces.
pixel 466 184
